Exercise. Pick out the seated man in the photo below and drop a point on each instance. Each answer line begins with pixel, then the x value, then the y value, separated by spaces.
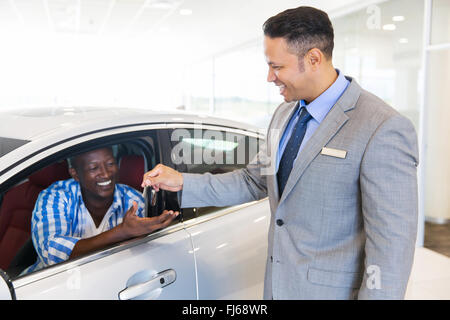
pixel 88 212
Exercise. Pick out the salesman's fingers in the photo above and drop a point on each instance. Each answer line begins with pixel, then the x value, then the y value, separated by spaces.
pixel 164 181
pixel 155 171
pixel 162 177
pixel 154 181
pixel 166 187
pixel 149 177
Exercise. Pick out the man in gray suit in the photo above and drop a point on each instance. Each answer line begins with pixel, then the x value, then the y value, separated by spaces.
pixel 343 192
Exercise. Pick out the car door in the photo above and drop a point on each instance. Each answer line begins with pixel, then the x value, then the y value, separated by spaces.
pixel 6 287
pixel 230 249
pixel 230 244
pixel 157 266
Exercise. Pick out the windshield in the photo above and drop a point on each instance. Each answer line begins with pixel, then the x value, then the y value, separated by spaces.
pixel 8 144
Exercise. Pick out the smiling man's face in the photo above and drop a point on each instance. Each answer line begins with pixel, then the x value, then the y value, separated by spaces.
pixel 96 171
pixel 286 70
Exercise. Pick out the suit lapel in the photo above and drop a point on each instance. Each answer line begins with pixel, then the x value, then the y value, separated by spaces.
pixel 332 123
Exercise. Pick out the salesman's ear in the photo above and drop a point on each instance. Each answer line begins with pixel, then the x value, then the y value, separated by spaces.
pixel 314 57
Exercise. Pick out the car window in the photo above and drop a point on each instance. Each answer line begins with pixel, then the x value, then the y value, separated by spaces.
pixel 213 151
pixel 133 156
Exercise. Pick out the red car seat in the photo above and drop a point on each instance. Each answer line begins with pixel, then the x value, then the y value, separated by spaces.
pixel 17 207
pixel 131 171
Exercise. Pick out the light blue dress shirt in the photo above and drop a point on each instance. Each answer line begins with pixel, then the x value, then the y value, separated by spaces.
pixel 318 109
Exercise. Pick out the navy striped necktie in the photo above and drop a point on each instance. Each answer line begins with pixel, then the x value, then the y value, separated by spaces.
pixel 291 150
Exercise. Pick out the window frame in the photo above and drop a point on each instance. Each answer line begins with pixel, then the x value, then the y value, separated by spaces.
pixel 191 215
pixel 130 136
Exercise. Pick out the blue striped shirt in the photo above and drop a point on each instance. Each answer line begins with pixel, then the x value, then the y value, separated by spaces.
pixel 60 219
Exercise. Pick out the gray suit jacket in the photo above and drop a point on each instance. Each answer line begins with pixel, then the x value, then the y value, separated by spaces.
pixel 349 223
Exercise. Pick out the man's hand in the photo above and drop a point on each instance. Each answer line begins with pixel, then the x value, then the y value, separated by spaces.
pixel 162 177
pixel 131 226
pixel 134 226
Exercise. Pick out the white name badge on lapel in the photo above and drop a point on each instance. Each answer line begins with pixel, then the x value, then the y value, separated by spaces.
pixel 334 152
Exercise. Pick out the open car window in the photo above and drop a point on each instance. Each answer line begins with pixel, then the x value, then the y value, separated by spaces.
pixel 134 156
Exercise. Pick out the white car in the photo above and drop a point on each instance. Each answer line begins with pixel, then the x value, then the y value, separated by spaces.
pixel 207 253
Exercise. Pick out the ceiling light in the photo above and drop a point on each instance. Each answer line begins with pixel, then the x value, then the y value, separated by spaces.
pixel 403 40
pixel 185 12
pixel 398 18
pixel 389 27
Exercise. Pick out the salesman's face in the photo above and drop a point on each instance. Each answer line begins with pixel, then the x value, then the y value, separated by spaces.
pixel 286 71
pixel 96 172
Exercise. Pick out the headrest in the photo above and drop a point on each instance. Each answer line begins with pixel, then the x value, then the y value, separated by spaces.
pixel 48 175
pixel 131 171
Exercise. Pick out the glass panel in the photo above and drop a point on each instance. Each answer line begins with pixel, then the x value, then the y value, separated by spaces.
pixel 241 90
pixel 437 170
pixel 199 85
pixel 233 85
pixel 381 48
pixel 440 22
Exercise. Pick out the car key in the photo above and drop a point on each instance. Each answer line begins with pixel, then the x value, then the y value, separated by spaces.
pixel 152 196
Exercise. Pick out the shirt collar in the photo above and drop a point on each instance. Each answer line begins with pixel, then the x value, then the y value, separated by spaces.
pixel 116 206
pixel 320 106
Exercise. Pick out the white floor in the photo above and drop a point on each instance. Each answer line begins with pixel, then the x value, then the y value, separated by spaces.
pixel 430 276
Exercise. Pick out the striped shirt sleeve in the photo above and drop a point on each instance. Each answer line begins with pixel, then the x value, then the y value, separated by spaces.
pixel 51 225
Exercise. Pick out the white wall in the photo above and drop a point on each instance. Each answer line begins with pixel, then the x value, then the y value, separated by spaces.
pixel 119 52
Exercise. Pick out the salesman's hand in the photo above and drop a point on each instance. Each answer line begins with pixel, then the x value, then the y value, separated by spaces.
pixel 162 177
pixel 134 226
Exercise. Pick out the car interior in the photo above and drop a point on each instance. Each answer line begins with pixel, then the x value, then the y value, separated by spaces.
pixel 16 247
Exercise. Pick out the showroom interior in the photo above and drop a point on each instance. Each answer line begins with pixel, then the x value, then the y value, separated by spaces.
pixel 206 57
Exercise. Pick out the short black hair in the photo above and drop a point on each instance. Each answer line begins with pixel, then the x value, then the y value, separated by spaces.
pixel 73 160
pixel 303 28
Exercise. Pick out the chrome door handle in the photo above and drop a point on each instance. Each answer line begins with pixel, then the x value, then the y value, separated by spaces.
pixel 157 281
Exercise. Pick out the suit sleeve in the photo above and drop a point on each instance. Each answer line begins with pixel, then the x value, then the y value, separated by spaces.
pixel 232 188
pixel 389 197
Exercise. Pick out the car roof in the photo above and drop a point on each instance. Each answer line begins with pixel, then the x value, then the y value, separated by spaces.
pixel 31 124
pixel 29 133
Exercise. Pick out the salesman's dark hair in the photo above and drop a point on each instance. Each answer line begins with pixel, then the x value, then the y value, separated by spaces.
pixel 303 28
